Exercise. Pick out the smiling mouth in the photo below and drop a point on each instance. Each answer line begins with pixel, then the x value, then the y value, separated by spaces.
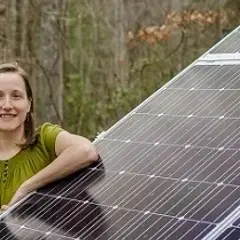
pixel 7 116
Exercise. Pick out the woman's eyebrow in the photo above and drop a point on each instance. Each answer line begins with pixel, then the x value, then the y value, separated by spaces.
pixel 18 91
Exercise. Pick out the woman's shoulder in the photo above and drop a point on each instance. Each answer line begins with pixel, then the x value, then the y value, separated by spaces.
pixel 47 126
pixel 47 130
pixel 46 136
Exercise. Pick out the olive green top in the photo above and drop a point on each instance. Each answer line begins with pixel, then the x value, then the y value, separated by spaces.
pixel 27 162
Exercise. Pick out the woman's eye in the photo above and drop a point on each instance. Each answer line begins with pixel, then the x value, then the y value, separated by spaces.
pixel 17 96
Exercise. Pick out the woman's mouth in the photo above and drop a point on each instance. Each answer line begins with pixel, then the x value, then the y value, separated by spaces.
pixel 7 116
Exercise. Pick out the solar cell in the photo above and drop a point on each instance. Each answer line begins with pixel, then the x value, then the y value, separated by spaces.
pixel 169 170
pixel 237 223
pixel 229 234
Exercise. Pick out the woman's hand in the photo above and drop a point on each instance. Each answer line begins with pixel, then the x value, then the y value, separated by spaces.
pixel 19 194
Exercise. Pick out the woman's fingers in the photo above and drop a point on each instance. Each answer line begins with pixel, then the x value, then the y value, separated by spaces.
pixel 4 207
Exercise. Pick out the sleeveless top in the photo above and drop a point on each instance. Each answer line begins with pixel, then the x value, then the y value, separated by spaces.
pixel 27 162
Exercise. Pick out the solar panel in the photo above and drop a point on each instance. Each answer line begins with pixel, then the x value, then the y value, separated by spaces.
pixel 169 170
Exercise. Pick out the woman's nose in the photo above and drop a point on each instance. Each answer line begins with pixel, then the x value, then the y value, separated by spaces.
pixel 6 104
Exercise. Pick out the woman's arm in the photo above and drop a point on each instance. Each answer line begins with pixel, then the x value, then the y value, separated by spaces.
pixel 73 153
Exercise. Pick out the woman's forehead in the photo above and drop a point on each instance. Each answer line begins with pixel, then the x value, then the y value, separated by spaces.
pixel 11 81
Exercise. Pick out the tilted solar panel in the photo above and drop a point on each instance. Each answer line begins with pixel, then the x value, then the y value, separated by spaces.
pixel 169 170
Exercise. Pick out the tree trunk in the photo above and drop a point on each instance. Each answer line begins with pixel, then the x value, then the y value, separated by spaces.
pixel 50 85
pixel 119 41
pixel 19 28
pixel 5 28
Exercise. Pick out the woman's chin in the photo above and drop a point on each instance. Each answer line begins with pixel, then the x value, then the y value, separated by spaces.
pixel 8 127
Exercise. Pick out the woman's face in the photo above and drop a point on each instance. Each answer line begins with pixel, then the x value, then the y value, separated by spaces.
pixel 14 103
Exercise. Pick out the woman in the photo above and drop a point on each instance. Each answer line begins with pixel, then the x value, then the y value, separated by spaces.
pixel 29 159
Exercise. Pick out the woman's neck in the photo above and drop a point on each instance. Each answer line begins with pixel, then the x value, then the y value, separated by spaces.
pixel 10 139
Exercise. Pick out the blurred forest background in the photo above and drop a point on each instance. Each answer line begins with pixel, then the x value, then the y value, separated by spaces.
pixel 92 61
